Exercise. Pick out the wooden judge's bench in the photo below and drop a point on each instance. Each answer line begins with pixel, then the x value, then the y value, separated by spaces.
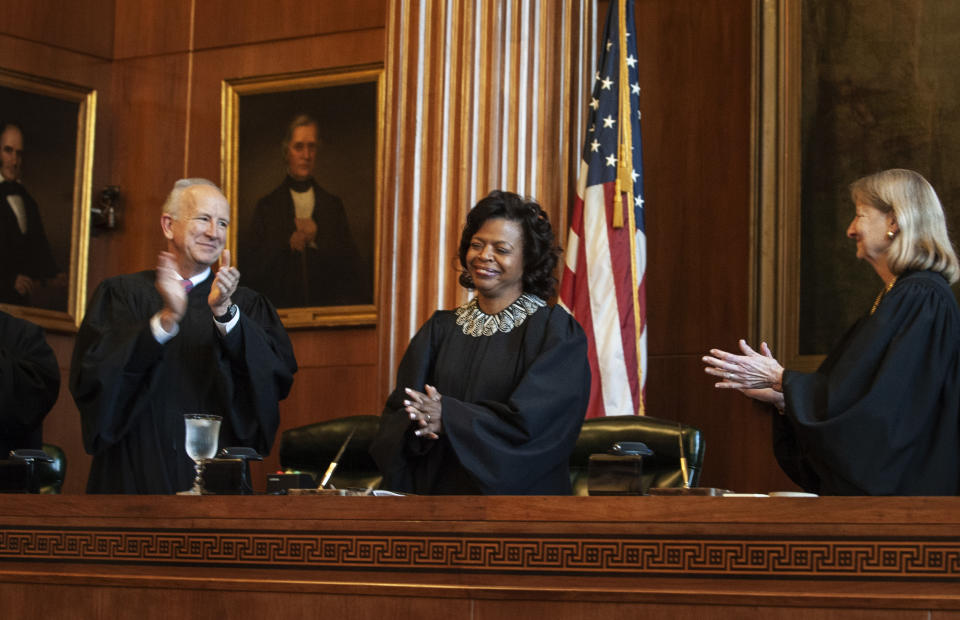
pixel 549 558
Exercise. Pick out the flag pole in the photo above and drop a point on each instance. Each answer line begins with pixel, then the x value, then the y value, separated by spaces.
pixel 625 180
pixel 624 184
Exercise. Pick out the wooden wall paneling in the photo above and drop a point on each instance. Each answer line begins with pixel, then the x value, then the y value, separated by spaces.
pixel 489 610
pixel 83 26
pixel 46 61
pixel 477 99
pixel 150 115
pixel 695 71
pixel 31 601
pixel 152 27
pixel 326 392
pixel 228 23
pixel 37 601
pixel 157 604
pixel 335 346
pixel 148 603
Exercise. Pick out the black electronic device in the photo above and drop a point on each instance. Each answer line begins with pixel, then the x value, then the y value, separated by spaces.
pixel 620 471
pixel 15 476
pixel 280 482
pixel 18 472
pixel 229 472
pixel 239 452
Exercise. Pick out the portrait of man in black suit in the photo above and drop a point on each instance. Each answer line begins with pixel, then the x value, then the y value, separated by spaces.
pixel 306 199
pixel 302 252
pixel 27 263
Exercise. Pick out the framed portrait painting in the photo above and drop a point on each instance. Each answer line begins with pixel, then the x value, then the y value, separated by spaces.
pixel 46 160
pixel 301 161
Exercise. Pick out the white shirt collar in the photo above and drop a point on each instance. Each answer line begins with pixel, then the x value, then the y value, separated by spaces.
pixel 200 277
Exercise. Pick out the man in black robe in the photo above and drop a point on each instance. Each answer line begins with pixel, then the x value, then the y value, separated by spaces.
pixel 158 344
pixel 29 384
pixel 299 251
pixel 25 254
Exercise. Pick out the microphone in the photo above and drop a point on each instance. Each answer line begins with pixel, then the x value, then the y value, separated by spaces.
pixel 336 460
pixel 683 458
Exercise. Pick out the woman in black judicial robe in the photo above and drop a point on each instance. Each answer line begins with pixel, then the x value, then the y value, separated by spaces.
pixel 880 415
pixel 490 396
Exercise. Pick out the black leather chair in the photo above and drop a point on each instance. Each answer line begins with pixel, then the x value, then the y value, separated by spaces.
pixel 311 448
pixel 50 476
pixel 660 470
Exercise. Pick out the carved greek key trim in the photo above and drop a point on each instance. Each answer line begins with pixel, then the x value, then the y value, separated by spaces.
pixel 560 554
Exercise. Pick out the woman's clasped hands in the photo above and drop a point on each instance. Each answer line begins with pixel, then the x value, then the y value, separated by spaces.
pixel 426 410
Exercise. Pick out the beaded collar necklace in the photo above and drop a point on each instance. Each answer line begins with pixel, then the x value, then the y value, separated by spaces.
pixel 475 322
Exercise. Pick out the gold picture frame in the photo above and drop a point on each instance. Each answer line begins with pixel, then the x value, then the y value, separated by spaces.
pixel 57 122
pixel 347 104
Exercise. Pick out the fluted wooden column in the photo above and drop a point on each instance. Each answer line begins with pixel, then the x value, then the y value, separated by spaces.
pixel 480 95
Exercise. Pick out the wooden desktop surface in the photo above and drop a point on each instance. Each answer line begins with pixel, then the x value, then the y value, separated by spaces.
pixel 479 557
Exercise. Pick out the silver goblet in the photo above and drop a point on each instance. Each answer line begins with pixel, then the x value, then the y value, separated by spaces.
pixel 203 433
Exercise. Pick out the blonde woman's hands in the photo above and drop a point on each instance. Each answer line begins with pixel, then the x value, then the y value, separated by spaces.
pixel 750 371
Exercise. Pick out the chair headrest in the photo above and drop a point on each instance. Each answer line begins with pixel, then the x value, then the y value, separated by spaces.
pixel 599 434
pixel 312 447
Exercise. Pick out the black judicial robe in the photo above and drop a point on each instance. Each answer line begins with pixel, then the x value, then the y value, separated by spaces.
pixel 330 274
pixel 880 415
pixel 29 383
pixel 132 391
pixel 512 406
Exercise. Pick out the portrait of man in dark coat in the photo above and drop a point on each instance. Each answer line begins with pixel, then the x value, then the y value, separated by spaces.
pixel 300 250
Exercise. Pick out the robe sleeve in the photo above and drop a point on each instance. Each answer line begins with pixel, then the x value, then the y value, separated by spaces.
pixel 866 422
pixel 508 447
pixel 395 442
pixel 789 456
pixel 112 361
pixel 260 365
pixel 29 378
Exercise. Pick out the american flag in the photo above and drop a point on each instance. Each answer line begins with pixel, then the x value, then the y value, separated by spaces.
pixel 603 282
